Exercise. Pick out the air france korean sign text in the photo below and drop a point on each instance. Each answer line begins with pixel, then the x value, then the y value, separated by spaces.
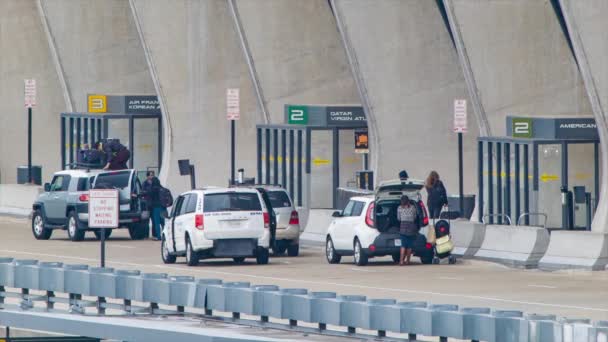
pixel 103 209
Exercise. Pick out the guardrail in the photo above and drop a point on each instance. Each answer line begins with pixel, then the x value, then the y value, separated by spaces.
pixel 124 287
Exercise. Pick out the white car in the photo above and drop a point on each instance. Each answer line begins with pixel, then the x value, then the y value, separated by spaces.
pixel 368 226
pixel 217 223
pixel 288 229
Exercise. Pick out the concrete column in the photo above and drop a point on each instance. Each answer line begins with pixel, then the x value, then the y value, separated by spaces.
pixel 408 72
pixel 586 21
pixel 25 55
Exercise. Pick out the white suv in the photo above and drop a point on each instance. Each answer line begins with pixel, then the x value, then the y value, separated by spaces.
pixel 368 226
pixel 217 223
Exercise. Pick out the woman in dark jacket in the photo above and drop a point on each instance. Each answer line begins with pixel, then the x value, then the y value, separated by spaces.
pixel 156 207
pixel 437 195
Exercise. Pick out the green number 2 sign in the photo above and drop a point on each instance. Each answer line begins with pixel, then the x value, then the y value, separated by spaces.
pixel 298 115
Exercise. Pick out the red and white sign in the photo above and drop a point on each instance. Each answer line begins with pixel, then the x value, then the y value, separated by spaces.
pixel 233 107
pixel 30 93
pixel 460 116
pixel 103 208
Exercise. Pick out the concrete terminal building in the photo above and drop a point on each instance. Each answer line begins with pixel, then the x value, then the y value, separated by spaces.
pixel 403 61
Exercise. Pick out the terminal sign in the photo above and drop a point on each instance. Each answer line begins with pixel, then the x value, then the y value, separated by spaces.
pixel 30 93
pixel 103 208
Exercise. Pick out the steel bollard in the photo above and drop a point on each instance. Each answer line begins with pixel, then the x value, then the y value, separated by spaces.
pixel 216 297
pixel 129 285
pixel 103 282
pixel 575 329
pixel 76 279
pixel 447 321
pixel 7 272
pixel 510 326
pixel 26 274
pixel 259 308
pixel 348 316
pixel 51 276
pixel 296 305
pixel 155 288
pixel 478 324
pixel 200 298
pixel 239 297
pixel 325 309
pixel 182 291
pixel 543 328
pixel 377 311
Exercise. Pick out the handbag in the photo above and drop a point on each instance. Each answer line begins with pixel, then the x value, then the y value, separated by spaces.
pixel 430 235
pixel 444 245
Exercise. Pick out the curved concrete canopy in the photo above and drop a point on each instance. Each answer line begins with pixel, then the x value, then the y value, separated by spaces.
pixel 587 24
pixel 410 76
pixel 196 55
pixel 98 47
pixel 520 60
pixel 25 54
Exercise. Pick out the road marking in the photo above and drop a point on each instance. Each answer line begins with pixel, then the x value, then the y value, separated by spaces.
pixel 542 286
pixel 313 282
pixel 450 278
pixel 358 269
pixel 121 246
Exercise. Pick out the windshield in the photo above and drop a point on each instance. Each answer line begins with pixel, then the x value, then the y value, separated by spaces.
pixel 279 199
pixel 112 180
pixel 231 201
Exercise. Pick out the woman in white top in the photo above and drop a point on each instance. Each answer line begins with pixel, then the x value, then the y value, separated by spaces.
pixel 408 228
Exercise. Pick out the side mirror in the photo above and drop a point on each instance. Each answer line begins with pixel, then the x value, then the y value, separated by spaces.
pixel 47 187
pixel 337 214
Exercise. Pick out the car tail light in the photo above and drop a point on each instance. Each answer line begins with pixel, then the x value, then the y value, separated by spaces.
pixel 429 246
pixel 372 248
pixel 83 198
pixel 294 219
pixel 369 216
pixel 199 221
pixel 266 220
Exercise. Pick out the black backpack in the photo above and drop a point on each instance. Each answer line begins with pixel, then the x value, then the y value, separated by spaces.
pixel 165 197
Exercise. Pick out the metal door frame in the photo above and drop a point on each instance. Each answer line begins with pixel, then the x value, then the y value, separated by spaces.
pixel 519 144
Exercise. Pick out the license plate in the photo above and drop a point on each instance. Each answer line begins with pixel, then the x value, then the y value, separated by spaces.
pixel 398 243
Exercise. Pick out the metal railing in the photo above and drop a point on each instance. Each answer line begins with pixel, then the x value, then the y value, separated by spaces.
pixel 533 214
pixel 93 291
pixel 491 216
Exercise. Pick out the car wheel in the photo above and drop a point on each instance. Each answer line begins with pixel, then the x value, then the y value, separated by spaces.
pixel 330 252
pixel 191 255
pixel 396 258
pixel 97 233
pixel 293 250
pixel 427 259
pixel 239 260
pixel 164 252
pixel 74 233
pixel 452 259
pixel 262 256
pixel 40 233
pixel 360 256
pixel 279 247
pixel 138 231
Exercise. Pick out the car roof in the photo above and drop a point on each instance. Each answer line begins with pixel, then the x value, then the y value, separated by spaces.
pixel 369 198
pixel 219 190
pixel 78 173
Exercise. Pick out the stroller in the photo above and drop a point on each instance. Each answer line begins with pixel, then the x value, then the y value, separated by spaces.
pixel 443 246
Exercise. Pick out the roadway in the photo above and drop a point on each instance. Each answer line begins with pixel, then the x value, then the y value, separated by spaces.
pixel 572 294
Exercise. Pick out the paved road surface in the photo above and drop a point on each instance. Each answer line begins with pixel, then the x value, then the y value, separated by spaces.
pixel 574 294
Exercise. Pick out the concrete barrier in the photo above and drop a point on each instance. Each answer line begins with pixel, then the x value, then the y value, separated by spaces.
pixel 17 199
pixel 576 250
pixel 516 246
pixel 317 224
pixel 467 237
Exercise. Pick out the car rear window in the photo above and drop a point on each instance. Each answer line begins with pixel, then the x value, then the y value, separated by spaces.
pixel 231 201
pixel 279 199
pixel 84 184
pixel 112 180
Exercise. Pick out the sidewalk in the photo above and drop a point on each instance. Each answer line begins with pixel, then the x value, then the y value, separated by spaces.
pixel 17 199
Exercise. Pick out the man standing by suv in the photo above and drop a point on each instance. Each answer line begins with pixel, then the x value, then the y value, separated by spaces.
pixel 151 190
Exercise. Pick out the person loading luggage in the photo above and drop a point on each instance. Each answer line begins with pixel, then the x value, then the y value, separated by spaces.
pixel 117 155
pixel 408 228
pixel 437 195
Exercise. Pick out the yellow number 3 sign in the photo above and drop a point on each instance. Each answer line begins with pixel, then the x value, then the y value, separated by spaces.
pixel 97 104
